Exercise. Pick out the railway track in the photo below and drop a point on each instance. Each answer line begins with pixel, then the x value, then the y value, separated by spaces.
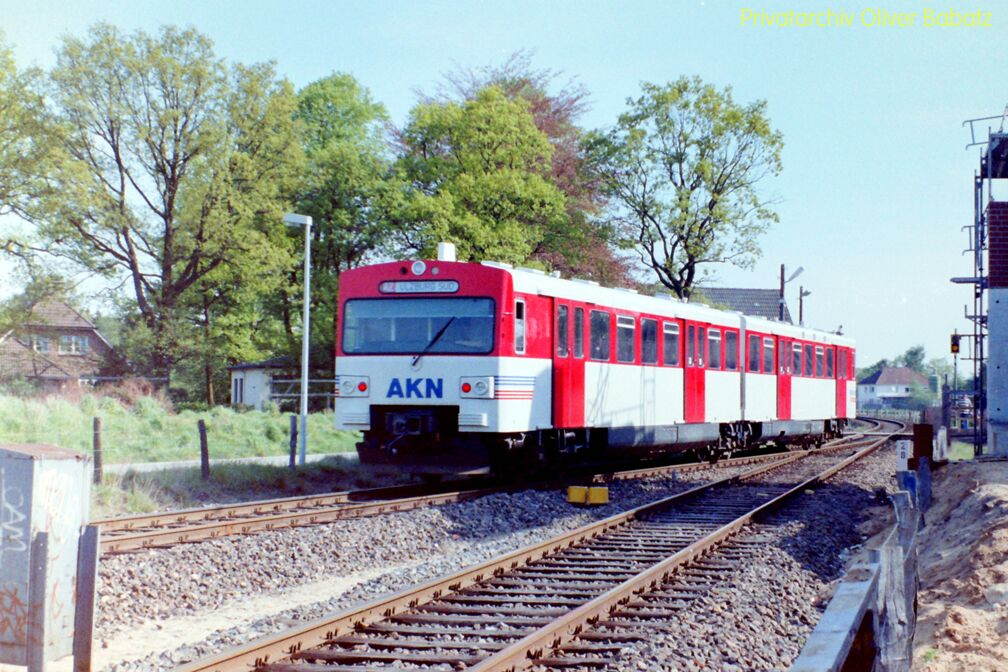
pixel 567 602
pixel 132 533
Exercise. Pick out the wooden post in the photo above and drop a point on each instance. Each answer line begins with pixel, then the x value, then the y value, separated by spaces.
pixel 293 441
pixel 96 450
pixel 37 603
pixel 87 581
pixel 204 451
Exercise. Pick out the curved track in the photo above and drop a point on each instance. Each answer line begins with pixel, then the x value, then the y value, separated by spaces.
pixel 528 607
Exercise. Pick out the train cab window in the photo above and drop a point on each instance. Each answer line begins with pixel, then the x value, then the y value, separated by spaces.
pixel 796 359
pixel 690 345
pixel 752 357
pixel 809 359
pixel 731 350
pixel 819 368
pixel 561 332
pixel 519 333
pixel 714 349
pixel 768 358
pixel 842 365
pixel 829 362
pixel 599 335
pixel 625 338
pixel 579 332
pixel 649 341
pixel 670 344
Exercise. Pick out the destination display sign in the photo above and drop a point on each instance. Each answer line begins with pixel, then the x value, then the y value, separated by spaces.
pixel 418 286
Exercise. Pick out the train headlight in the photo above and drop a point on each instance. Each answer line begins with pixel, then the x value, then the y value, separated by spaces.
pixel 476 387
pixel 354 386
pixel 418 267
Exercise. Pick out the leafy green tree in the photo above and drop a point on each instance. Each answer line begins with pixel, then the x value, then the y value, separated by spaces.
pixel 476 175
pixel 913 358
pixel 20 104
pixel 681 166
pixel 871 370
pixel 346 190
pixel 165 168
pixel 584 248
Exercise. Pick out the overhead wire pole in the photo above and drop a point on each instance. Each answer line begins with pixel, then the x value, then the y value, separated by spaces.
pixel 306 222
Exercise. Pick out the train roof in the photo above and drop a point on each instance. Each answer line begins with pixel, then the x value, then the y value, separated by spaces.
pixel 532 281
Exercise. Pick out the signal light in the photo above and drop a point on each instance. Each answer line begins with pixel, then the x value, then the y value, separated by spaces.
pixel 955 344
pixel 467 388
pixel 362 386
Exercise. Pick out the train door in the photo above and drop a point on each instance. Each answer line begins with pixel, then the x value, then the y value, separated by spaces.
pixel 693 372
pixel 568 353
pixel 841 378
pixel 783 379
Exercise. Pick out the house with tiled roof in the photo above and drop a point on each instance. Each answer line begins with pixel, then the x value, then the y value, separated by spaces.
pixel 890 386
pixel 54 346
pixel 763 303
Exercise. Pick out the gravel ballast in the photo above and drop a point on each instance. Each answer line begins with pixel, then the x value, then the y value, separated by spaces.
pixel 420 545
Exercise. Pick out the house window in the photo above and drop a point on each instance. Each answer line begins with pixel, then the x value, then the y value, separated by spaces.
pixel 649 341
pixel 599 336
pixel 40 343
pixel 907 389
pixel 73 345
pixel 625 336
pixel 670 331
pixel 519 342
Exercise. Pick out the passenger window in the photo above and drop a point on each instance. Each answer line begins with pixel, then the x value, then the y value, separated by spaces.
pixel 670 332
pixel 519 342
pixel 819 362
pixel 829 362
pixel 561 331
pixel 768 359
pixel 808 360
pixel 714 349
pixel 842 367
pixel 701 343
pixel 690 345
pixel 796 359
pixel 731 350
pixel 625 335
pixel 600 335
pixel 579 332
pixel 649 341
pixel 752 357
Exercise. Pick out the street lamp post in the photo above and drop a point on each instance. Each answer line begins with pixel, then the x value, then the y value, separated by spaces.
pixel 305 221
pixel 801 305
pixel 780 307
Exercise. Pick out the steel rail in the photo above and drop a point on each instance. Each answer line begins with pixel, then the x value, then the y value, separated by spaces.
pixel 295 642
pixel 523 654
pixel 141 532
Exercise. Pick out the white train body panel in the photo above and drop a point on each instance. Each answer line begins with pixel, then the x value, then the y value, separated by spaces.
pixel 617 395
pixel 761 397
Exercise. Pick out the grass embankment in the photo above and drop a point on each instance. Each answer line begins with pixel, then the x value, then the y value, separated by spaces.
pixel 146 431
pixel 183 488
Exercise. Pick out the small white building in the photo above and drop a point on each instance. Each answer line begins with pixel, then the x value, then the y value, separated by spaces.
pixel 252 382
pixel 888 386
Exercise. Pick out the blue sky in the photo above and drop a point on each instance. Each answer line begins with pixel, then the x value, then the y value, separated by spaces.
pixel 876 181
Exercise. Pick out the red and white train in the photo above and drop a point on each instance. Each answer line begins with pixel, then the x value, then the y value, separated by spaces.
pixel 449 366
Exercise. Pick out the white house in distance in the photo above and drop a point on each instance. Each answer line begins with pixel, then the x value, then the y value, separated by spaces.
pixel 252 382
pixel 888 385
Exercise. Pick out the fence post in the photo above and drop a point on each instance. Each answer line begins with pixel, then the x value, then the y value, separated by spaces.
pixel 204 451
pixel 87 580
pixel 96 449
pixel 293 441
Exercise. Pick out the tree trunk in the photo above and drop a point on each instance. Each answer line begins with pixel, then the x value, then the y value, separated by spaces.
pixel 208 374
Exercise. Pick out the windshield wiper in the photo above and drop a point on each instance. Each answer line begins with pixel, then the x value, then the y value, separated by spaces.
pixel 434 340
